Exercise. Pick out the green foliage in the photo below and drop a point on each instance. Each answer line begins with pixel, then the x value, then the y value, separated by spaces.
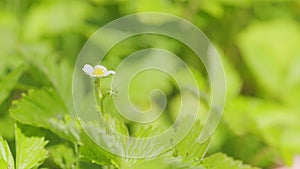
pixel 273 64
pixel 220 160
pixel 6 158
pixel 259 47
pixel 30 152
pixel 48 113
pixel 190 148
pixel 58 72
pixel 166 163
pixel 63 156
pixel 8 82
pixel 97 154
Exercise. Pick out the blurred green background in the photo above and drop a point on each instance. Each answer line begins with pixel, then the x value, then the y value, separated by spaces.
pixel 258 41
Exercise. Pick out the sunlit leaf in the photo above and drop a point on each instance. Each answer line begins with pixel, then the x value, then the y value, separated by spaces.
pixel 6 158
pixel 219 160
pixel 44 108
pixel 145 145
pixel 92 152
pixel 190 148
pixel 59 73
pixel 30 151
pixel 104 136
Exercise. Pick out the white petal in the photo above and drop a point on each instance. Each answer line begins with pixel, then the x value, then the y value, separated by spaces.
pixel 110 72
pixel 88 69
pixel 101 67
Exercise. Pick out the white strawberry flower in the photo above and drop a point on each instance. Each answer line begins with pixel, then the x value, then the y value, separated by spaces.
pixel 98 71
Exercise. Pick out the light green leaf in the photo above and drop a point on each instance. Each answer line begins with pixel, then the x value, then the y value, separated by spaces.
pixel 6 158
pixel 30 151
pixel 53 69
pixel 187 151
pixel 50 18
pixel 211 7
pixel 9 81
pixel 267 120
pixel 116 124
pixel 238 115
pixel 147 144
pixel 7 124
pixel 44 108
pixel 270 49
pixel 104 135
pixel 219 160
pixel 9 41
pixel 190 148
pixel 59 73
pixel 93 153
pixel 271 123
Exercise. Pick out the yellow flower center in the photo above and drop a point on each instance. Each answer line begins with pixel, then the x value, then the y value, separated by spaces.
pixel 98 72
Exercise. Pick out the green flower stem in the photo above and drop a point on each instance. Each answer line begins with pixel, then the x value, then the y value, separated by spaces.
pixel 100 95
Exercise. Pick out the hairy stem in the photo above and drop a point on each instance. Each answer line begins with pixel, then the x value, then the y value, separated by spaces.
pixel 100 95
